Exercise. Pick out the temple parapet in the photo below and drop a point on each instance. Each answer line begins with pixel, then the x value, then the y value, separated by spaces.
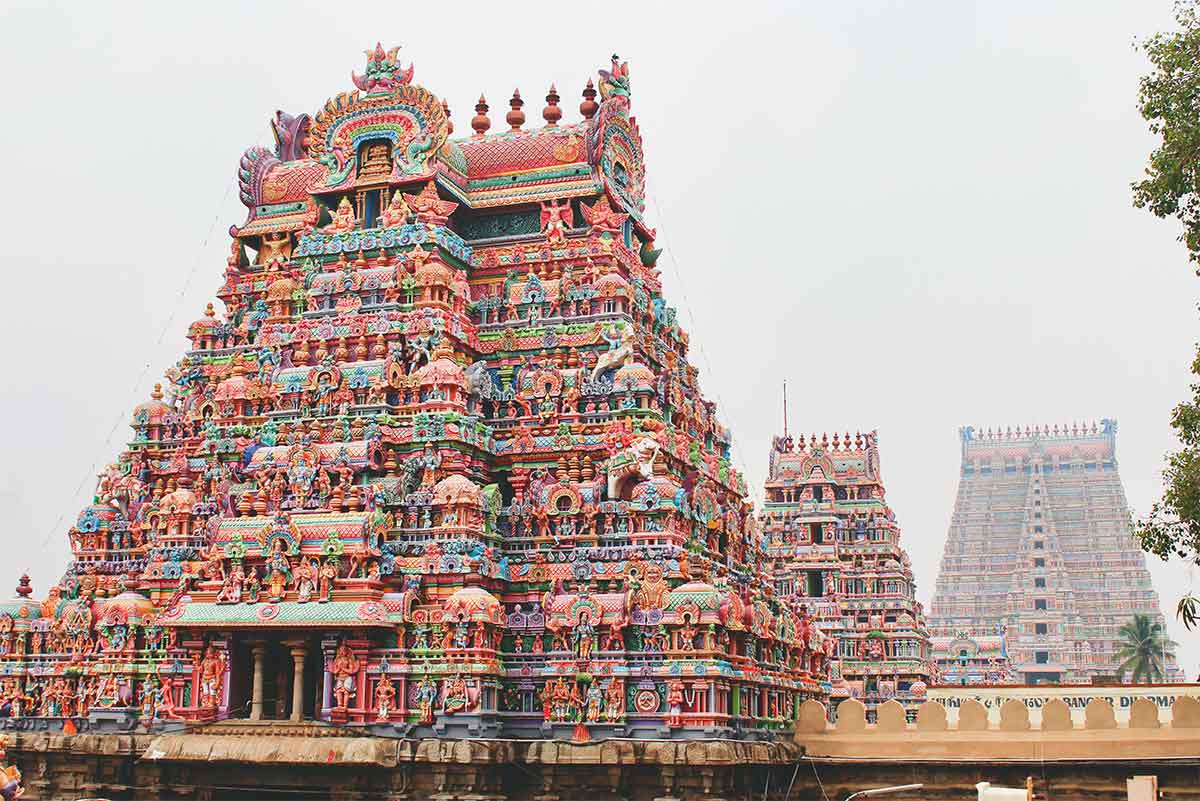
pixel 1088 441
pixel 926 733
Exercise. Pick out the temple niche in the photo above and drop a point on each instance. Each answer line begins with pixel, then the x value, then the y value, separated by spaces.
pixel 435 464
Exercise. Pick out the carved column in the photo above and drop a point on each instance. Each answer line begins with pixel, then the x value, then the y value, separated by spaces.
pixel 299 654
pixel 259 651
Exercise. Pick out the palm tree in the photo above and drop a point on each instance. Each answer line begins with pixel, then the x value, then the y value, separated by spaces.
pixel 1144 647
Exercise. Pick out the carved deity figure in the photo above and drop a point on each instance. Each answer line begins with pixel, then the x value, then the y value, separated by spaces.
pixel 456 699
pixel 620 352
pixel 555 220
pixel 87 696
pixel 461 638
pixel 385 695
pixel 560 699
pixel 479 637
pixel 653 592
pixel 675 704
pixel 574 703
pixel 150 699
pixel 212 677
pixel 875 650
pixel 214 568
pixel 326 578
pixel 279 572
pixel 427 693
pixel 343 219
pixel 253 586
pixel 614 700
pixel 655 640
pixel 584 636
pixel 687 636
pixel 397 212
pixel 421 637
pixel 595 703
pixel 343 668
pixel 166 697
pixel 231 590
pixel 613 640
pixel 276 250
pixel 306 581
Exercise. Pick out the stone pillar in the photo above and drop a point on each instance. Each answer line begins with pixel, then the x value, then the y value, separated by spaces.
pixel 259 651
pixel 299 654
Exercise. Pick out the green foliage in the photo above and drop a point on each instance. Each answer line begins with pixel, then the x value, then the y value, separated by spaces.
pixel 1173 526
pixel 1188 610
pixel 1143 647
pixel 1169 100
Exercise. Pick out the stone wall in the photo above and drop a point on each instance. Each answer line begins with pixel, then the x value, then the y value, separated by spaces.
pixel 1067 761
pixel 272 762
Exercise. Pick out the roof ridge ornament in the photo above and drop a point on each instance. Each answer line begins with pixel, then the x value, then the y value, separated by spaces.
pixel 615 83
pixel 383 72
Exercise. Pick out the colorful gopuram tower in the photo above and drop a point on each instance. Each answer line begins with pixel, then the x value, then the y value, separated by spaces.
pixel 1040 563
pixel 836 556
pixel 437 464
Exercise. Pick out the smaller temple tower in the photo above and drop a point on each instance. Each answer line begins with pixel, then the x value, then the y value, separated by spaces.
pixel 836 555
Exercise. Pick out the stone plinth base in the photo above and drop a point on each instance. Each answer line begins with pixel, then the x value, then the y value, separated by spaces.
pixel 217 761
pixel 305 760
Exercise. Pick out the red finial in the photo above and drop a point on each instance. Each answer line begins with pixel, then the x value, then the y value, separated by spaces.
pixel 515 117
pixel 552 113
pixel 480 122
pixel 449 122
pixel 23 588
pixel 589 106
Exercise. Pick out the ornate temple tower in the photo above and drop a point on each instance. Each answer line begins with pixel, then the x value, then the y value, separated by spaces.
pixel 836 555
pixel 440 466
pixel 1040 569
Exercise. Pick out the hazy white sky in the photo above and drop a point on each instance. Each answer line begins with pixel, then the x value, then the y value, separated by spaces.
pixel 917 213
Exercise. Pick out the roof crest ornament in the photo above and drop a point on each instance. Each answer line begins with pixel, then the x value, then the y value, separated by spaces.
pixel 615 83
pixel 383 72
